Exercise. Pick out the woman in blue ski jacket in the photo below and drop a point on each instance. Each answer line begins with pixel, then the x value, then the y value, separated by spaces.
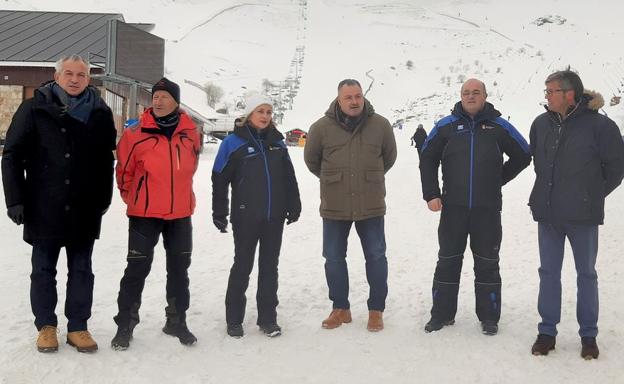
pixel 255 162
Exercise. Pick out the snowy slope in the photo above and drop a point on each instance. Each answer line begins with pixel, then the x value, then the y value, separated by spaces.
pixel 237 45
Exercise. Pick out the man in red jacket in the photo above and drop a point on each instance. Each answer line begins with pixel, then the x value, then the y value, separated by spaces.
pixel 156 161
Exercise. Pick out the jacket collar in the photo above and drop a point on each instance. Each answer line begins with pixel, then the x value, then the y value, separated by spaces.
pixel 591 101
pixel 334 107
pixel 148 123
pixel 487 113
pixel 246 132
pixel 45 99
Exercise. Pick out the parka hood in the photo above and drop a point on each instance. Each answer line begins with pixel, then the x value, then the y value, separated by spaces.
pixel 595 101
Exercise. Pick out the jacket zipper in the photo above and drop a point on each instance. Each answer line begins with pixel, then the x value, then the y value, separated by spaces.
pixel 146 193
pixel 472 125
pixel 266 171
pixel 138 189
pixel 178 149
pixel 171 173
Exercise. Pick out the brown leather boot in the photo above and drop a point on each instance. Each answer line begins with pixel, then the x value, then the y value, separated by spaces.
pixel 336 318
pixel 47 341
pixel 375 321
pixel 82 341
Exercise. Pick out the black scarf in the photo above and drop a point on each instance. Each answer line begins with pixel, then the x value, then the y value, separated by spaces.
pixel 168 123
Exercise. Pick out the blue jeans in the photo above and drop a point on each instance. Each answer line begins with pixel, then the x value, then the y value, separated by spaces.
pixel 584 242
pixel 371 233
pixel 79 294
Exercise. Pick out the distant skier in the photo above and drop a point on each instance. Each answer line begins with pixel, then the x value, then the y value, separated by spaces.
pixel 419 137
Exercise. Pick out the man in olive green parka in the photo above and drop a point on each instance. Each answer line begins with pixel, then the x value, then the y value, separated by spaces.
pixel 350 149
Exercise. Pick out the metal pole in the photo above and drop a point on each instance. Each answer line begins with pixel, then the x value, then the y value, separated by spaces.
pixel 132 108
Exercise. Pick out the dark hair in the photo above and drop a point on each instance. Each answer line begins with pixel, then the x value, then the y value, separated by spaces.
pixel 348 82
pixel 568 80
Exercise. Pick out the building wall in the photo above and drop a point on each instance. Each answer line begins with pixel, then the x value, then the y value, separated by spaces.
pixel 11 97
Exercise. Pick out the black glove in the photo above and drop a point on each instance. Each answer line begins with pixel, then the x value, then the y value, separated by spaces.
pixel 291 217
pixel 419 137
pixel 16 213
pixel 220 222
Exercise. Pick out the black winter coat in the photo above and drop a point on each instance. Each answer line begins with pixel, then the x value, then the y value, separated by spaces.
pixel 262 176
pixel 471 153
pixel 577 161
pixel 60 169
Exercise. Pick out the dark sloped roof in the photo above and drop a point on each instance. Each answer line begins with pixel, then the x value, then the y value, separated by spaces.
pixel 27 36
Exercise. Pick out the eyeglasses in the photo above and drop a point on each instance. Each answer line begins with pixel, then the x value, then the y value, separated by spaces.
pixel 549 92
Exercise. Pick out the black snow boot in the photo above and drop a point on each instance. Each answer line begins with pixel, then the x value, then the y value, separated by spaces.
pixel 235 330
pixel 122 338
pixel 271 329
pixel 435 325
pixel 489 327
pixel 174 327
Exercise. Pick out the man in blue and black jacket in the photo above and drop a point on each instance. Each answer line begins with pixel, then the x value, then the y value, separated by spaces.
pixel 470 144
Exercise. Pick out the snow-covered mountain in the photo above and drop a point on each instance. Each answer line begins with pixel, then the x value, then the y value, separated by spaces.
pixel 416 54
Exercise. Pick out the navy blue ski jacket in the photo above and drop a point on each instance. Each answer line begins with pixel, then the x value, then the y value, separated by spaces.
pixel 471 153
pixel 257 166
pixel 578 161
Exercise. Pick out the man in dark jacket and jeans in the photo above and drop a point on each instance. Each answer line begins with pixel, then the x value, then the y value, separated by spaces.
pixel 470 144
pixel 579 159
pixel 349 150
pixel 57 171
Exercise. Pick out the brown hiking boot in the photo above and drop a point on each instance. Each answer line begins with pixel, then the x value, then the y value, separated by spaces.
pixel 47 341
pixel 375 321
pixel 82 341
pixel 589 348
pixel 543 345
pixel 336 318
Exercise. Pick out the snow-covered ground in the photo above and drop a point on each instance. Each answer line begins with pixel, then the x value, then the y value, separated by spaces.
pixel 444 40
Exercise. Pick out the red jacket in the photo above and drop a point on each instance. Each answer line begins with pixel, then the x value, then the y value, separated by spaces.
pixel 154 174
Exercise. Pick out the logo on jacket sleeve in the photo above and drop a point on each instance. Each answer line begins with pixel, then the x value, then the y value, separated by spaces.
pixel 251 150
pixel 460 127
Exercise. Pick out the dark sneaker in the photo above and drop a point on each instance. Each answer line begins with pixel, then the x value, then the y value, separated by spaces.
pixel 235 330
pixel 543 345
pixel 589 348
pixel 179 330
pixel 122 338
pixel 436 325
pixel 489 328
pixel 271 329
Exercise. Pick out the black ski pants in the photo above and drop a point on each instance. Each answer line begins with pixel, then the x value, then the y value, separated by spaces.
pixel 247 235
pixel 484 227
pixel 142 238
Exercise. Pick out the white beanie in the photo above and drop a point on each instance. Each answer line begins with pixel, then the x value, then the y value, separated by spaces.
pixel 254 101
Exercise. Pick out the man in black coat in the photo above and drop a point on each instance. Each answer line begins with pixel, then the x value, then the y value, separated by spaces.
pixel 579 159
pixel 469 144
pixel 57 172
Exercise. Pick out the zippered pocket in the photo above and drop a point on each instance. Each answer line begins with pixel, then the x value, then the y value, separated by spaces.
pixel 178 156
pixel 138 189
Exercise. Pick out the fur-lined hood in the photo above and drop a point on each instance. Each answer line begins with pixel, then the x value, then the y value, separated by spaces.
pixel 595 101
